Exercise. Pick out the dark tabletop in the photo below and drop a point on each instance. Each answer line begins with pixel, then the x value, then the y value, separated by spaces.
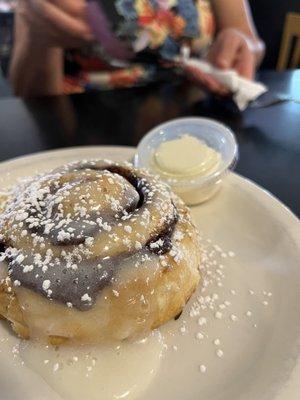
pixel 269 138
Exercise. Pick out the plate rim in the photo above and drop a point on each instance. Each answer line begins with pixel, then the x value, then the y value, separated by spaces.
pixel 278 210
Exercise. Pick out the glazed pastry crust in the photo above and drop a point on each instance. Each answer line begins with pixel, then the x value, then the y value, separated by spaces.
pixel 138 300
pixel 113 317
pixel 3 200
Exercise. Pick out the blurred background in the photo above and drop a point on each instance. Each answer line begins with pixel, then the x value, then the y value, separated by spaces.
pixel 271 18
pixel 268 136
pixel 6 32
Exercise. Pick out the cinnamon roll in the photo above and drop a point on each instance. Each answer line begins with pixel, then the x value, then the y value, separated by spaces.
pixel 95 251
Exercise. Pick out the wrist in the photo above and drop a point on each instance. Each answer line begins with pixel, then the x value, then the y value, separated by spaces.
pixel 28 39
pixel 36 70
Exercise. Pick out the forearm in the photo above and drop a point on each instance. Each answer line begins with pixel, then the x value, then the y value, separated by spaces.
pixel 35 70
pixel 236 14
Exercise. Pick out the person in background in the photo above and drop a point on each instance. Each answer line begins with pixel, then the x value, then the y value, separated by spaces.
pixel 222 31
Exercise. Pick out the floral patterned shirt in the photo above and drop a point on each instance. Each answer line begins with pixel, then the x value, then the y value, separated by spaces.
pixel 154 30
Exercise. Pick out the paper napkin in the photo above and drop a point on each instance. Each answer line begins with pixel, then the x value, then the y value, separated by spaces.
pixel 244 90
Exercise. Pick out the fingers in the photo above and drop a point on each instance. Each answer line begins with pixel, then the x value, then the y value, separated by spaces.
pixel 245 63
pixel 207 81
pixel 76 8
pixel 76 28
pixel 232 51
pixel 224 50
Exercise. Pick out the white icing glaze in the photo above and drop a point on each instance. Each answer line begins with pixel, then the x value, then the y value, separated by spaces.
pixel 94 373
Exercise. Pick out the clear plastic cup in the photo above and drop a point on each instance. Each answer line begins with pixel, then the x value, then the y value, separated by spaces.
pixel 213 134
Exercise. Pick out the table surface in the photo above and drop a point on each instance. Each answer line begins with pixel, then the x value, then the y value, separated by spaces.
pixel 269 138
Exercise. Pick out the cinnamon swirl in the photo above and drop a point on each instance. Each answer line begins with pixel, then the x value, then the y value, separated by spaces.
pixel 95 251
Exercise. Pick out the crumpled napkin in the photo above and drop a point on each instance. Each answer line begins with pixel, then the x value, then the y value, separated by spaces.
pixel 244 90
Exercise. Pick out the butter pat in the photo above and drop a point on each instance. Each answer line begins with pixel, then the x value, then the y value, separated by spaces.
pixel 185 156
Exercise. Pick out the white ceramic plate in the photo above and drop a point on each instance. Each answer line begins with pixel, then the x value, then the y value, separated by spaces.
pixel 260 285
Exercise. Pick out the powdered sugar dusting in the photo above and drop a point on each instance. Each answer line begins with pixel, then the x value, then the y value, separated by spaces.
pixel 216 305
pixel 67 232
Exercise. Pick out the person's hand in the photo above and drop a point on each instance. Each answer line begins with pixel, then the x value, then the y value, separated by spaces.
pixel 231 49
pixel 55 23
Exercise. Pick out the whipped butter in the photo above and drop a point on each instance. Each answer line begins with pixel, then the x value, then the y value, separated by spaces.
pixel 182 162
pixel 186 156
pixel 193 155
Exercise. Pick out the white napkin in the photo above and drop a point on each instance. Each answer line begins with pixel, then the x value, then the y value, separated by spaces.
pixel 244 90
